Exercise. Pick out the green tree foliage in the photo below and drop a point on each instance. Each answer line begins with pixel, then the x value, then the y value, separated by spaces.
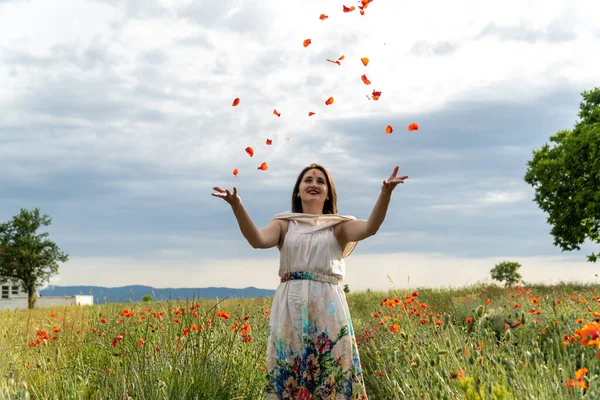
pixel 147 298
pixel 27 258
pixel 566 179
pixel 506 272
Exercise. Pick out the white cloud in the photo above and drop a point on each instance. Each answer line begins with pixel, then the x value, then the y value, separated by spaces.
pixel 406 270
pixel 138 94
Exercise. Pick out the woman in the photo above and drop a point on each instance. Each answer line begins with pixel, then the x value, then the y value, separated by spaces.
pixel 311 350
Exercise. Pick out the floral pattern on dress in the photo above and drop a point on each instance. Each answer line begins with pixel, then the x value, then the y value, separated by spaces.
pixel 317 373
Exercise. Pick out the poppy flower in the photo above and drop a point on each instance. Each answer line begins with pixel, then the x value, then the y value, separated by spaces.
pixel 413 127
pixel 235 172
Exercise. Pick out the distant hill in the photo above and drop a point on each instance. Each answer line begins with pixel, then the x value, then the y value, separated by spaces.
pixel 137 292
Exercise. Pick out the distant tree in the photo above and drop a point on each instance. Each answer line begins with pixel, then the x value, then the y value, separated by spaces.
pixel 26 258
pixel 506 272
pixel 147 298
pixel 346 289
pixel 566 179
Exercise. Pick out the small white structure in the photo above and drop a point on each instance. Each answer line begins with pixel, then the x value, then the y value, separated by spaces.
pixel 12 297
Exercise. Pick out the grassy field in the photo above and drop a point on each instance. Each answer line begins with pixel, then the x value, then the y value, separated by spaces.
pixel 478 342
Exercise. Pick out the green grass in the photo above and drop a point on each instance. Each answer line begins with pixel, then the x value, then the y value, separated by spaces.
pixel 432 344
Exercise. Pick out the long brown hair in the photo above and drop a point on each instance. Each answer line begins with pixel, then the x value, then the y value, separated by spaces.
pixel 330 206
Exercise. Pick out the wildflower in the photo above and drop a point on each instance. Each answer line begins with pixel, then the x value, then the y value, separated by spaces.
pixel 223 314
pixel 116 340
pixel 589 334
pixel 469 320
pixel 394 328
pixel 578 382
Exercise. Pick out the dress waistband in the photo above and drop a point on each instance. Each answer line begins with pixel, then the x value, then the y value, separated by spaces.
pixel 311 276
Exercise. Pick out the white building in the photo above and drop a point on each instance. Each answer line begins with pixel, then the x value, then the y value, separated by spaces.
pixel 12 297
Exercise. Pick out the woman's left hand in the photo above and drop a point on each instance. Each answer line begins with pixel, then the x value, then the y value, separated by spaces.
pixel 389 185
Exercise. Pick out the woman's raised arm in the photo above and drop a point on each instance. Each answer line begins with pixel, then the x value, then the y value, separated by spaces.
pixel 264 238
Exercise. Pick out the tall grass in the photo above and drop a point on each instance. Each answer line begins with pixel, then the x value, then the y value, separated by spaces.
pixel 477 342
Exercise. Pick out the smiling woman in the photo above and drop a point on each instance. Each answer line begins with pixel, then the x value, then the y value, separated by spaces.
pixel 311 349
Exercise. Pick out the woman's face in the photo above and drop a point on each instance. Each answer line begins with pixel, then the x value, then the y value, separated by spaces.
pixel 313 186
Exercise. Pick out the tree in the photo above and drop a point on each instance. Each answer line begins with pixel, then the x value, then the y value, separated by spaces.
pixel 26 258
pixel 506 271
pixel 566 179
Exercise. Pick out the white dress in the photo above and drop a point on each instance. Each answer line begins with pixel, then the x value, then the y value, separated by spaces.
pixel 311 350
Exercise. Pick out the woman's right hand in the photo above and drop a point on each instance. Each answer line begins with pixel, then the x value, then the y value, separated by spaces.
pixel 232 198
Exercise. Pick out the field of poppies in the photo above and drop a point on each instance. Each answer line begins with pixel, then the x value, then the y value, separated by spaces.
pixel 478 342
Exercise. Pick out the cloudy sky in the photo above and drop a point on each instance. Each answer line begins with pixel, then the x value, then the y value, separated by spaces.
pixel 116 121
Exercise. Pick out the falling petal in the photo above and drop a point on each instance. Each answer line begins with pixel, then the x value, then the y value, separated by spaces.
pixel 310 113
pixel 333 61
pixel 389 129
pixel 263 166
pixel 342 57
pixel 329 101
pixel 250 151
pixel 323 17
pixel 365 80
pixel 277 113
pixel 365 61
pixel 413 127
pixel 235 172
pixel 269 142
pixel 307 42
pixel 376 95
pixel 347 9
pixel 236 101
